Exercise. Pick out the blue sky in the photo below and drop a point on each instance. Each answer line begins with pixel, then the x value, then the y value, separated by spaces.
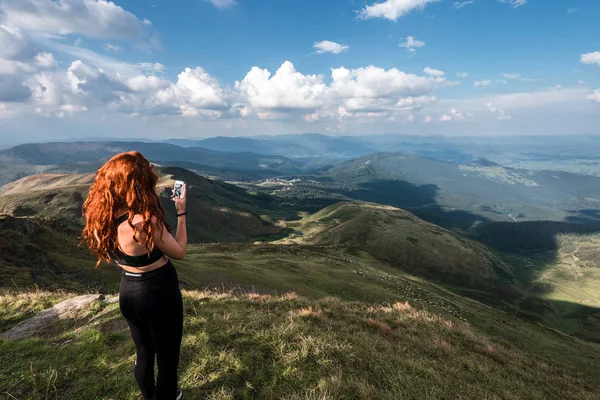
pixel 196 68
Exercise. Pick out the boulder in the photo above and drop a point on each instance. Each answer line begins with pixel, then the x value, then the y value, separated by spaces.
pixel 34 325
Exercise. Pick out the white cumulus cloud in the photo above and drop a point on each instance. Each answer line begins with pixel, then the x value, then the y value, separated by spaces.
pixel 436 73
pixel 482 83
pixel 411 44
pixel 595 96
pixel 147 83
pixel 327 46
pixel 500 114
pixel 591 58
pixel 392 9
pixel 452 115
pixel 375 89
pixel 461 74
pixel 286 89
pixel 362 92
pixel 45 60
pixel 93 18
pixel 195 93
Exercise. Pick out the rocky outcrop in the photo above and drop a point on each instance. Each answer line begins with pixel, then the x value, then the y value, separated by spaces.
pixel 25 226
pixel 36 324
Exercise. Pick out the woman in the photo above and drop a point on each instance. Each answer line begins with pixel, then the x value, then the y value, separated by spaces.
pixel 125 222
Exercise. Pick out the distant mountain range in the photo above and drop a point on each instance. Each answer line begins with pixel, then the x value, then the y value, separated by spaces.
pixel 451 194
pixel 26 159
pixel 293 146
pixel 573 153
pixel 484 188
pixel 447 192
pixel 61 153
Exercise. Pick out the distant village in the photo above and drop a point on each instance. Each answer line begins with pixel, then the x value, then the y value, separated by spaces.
pixel 284 181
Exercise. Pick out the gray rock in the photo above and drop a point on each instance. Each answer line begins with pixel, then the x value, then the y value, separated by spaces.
pixel 111 300
pixel 32 326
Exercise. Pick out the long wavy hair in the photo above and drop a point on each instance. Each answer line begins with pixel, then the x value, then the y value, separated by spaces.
pixel 125 183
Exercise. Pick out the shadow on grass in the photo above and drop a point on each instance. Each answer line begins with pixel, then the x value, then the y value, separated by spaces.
pixel 532 248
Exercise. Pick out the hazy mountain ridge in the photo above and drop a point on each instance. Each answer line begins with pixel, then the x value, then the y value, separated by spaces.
pixel 491 191
pixel 292 146
pixel 569 153
pixel 60 155
pixel 224 212
pixel 481 190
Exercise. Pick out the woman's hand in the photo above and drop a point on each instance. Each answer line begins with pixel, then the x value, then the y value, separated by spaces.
pixel 181 201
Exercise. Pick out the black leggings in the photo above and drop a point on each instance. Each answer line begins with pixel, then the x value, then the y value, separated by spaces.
pixel 152 305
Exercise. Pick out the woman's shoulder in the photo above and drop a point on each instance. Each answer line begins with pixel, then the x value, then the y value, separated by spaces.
pixel 138 221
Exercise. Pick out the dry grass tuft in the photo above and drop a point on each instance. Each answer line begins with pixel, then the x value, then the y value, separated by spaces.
pixel 310 312
pixel 259 297
pixel 290 296
pixel 382 326
pixel 444 345
pixel 402 307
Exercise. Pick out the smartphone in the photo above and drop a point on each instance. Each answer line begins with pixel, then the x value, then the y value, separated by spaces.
pixel 178 188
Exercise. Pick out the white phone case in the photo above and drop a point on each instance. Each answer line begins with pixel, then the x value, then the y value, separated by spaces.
pixel 178 188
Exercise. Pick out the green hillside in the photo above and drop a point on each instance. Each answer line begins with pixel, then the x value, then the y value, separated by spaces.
pixel 399 238
pixel 356 327
pixel 358 300
pixel 548 287
pixel 36 252
pixel 559 260
pixel 290 347
pixel 221 212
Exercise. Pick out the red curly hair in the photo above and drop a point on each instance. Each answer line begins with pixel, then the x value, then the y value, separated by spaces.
pixel 125 182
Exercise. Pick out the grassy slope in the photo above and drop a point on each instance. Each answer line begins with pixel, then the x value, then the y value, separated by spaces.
pixel 42 253
pixel 532 289
pixel 558 262
pixel 235 345
pixel 401 239
pixel 561 256
pixel 290 347
pixel 576 275
pixel 218 211
pixel 391 238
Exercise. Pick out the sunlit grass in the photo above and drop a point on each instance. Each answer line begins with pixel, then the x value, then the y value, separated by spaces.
pixel 289 347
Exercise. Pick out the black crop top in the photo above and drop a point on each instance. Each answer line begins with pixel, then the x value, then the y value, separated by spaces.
pixel 135 261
